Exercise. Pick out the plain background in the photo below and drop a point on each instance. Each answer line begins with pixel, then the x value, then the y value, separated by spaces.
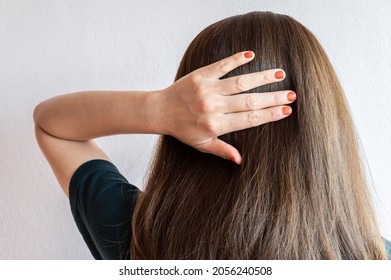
pixel 54 47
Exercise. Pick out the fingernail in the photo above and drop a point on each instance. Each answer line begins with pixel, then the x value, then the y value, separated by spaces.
pixel 286 110
pixel 248 54
pixel 291 96
pixel 232 159
pixel 279 74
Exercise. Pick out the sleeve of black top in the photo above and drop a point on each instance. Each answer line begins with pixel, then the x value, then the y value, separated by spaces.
pixel 388 248
pixel 102 203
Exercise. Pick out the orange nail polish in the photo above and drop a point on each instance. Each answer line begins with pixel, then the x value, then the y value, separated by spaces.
pixel 286 110
pixel 279 74
pixel 291 96
pixel 248 54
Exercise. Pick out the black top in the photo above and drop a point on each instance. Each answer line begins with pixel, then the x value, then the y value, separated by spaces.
pixel 102 203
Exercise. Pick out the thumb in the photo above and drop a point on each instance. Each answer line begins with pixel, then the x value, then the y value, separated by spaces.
pixel 220 148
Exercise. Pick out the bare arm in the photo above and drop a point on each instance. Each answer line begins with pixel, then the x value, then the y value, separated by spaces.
pixel 84 116
pixel 196 110
pixel 66 125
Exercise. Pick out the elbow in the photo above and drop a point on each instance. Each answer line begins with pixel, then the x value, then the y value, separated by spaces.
pixel 37 113
pixel 37 118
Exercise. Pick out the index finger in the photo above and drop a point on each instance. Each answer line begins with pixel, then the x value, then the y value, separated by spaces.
pixel 222 67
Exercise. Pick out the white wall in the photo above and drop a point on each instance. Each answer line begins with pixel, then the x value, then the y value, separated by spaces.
pixel 53 47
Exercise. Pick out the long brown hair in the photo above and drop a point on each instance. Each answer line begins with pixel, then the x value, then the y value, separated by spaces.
pixel 300 193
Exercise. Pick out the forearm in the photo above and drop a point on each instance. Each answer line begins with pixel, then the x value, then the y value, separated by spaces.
pixel 86 115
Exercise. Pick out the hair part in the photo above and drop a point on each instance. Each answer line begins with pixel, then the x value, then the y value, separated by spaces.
pixel 300 193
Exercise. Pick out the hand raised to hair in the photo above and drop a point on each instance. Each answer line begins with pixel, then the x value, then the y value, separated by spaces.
pixel 199 107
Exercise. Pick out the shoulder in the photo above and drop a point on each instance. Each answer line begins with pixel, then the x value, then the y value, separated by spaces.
pixel 102 203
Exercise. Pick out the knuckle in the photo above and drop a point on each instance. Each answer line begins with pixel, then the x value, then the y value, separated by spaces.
pixel 199 90
pixel 210 126
pixel 237 58
pixel 193 78
pixel 204 105
pixel 274 115
pixel 264 77
pixel 241 83
pixel 252 102
pixel 253 118
pixel 223 66
pixel 277 99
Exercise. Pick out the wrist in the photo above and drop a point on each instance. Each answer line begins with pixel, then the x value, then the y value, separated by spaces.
pixel 154 111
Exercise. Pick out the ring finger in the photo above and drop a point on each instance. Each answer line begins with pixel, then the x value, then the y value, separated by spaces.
pixel 256 101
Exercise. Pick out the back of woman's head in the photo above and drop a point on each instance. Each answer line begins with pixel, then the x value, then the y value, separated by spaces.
pixel 300 192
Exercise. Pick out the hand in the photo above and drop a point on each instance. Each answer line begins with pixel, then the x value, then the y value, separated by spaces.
pixel 199 107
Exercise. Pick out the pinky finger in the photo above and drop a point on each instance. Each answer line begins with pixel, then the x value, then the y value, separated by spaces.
pixel 243 120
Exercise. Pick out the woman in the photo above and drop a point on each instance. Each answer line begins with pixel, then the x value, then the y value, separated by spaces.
pixel 295 188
